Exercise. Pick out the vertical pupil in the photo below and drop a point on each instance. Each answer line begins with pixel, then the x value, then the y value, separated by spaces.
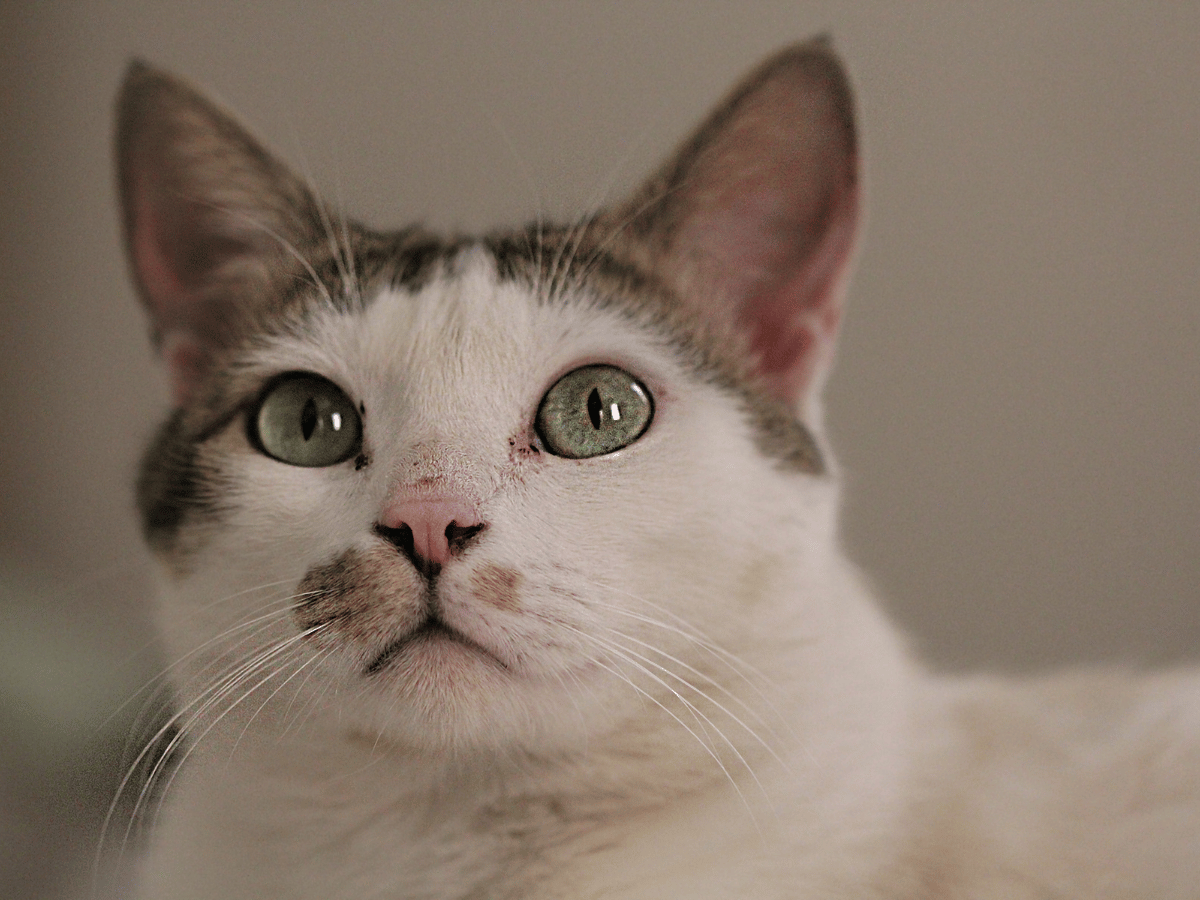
pixel 594 406
pixel 308 418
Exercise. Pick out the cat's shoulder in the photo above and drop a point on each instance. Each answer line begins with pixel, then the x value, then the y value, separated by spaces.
pixel 1080 784
pixel 1101 715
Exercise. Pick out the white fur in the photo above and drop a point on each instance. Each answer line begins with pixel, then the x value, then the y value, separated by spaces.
pixel 815 761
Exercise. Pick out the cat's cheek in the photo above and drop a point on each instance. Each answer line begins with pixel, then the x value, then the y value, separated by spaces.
pixel 308 514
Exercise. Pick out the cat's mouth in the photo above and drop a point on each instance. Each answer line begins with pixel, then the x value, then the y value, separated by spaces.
pixel 430 632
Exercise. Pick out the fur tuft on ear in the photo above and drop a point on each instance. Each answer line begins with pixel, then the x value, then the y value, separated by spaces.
pixel 754 219
pixel 210 219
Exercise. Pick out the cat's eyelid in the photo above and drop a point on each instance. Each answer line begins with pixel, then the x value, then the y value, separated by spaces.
pixel 650 375
pixel 220 422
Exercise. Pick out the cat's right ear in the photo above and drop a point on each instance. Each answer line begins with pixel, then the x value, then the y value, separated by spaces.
pixel 211 219
pixel 753 221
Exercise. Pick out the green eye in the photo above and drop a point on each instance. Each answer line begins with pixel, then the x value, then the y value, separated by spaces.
pixel 593 411
pixel 306 420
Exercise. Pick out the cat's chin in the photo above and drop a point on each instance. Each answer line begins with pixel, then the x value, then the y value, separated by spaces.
pixel 437 691
pixel 453 711
pixel 434 690
pixel 434 649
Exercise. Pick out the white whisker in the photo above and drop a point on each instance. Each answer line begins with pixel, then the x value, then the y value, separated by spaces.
pixel 341 253
pixel 708 680
pixel 214 694
pixel 532 185
pixel 645 665
pixel 700 740
pixel 227 686
pixel 687 630
pixel 271 696
pixel 286 245
pixel 738 667
pixel 312 664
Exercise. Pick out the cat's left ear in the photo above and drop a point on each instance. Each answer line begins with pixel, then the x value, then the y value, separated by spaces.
pixel 755 217
pixel 213 221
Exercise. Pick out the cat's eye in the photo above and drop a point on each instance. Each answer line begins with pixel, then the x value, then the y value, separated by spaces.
pixel 306 420
pixel 592 411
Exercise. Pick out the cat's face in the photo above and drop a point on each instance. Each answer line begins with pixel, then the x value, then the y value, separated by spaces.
pixel 579 567
pixel 498 492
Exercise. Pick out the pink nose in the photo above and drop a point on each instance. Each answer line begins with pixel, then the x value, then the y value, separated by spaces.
pixel 439 525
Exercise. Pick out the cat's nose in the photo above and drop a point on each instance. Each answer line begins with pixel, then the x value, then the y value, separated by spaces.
pixel 429 530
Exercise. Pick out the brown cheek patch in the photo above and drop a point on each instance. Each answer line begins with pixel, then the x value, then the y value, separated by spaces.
pixel 362 596
pixel 497 586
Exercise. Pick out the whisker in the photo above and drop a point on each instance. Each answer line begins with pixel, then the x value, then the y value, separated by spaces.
pixel 689 632
pixel 355 287
pixel 704 640
pixel 226 687
pixel 335 248
pixel 572 240
pixel 561 678
pixel 727 659
pixel 591 213
pixel 213 694
pixel 707 679
pixel 618 228
pixel 286 245
pixel 644 664
pixel 552 275
pixel 532 185
pixel 161 677
pixel 306 633
pixel 682 724
pixel 315 662
pixel 160 683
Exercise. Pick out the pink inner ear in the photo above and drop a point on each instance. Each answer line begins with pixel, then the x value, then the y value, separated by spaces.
pixel 164 289
pixel 793 319
pixel 791 351
pixel 169 300
pixel 186 361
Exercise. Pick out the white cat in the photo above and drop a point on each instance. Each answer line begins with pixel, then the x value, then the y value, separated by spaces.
pixel 508 567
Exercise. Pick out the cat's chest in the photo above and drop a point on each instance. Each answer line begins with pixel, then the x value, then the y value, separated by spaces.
pixel 371 839
pixel 241 835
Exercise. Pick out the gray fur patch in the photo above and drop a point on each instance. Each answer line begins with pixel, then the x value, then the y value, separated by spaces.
pixel 173 490
pixel 364 597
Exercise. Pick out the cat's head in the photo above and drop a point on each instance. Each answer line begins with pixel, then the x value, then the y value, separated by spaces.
pixel 500 491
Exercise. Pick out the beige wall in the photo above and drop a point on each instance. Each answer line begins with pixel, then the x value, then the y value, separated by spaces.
pixel 1016 403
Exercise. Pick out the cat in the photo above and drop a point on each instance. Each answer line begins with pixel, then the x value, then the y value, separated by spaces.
pixel 508 567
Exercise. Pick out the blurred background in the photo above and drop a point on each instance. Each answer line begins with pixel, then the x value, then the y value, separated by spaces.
pixel 1016 401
